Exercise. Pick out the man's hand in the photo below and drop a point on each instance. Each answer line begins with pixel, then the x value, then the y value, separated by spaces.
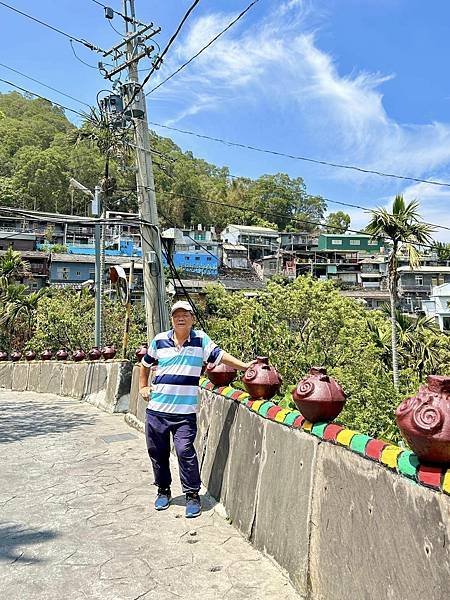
pixel 250 364
pixel 145 391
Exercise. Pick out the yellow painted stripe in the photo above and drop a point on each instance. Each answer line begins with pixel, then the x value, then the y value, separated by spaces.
pixel 257 404
pixel 344 437
pixel 389 456
pixel 227 389
pixel 446 482
pixel 307 426
pixel 282 414
pixel 243 396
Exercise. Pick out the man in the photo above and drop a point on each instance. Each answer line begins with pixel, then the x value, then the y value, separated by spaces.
pixel 173 401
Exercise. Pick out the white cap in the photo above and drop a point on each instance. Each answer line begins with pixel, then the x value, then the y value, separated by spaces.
pixel 181 304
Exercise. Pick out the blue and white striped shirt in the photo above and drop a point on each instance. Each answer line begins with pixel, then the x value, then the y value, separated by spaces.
pixel 175 385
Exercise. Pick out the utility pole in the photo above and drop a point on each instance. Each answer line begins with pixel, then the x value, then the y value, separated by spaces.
pixel 153 272
pixel 98 272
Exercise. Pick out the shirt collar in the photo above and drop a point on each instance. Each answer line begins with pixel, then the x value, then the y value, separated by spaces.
pixel 171 333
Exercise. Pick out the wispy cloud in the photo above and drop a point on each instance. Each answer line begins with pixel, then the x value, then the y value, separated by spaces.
pixel 277 59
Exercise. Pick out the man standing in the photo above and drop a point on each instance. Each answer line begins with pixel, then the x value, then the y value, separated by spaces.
pixel 173 401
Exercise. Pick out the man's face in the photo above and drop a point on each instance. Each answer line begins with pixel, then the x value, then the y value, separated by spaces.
pixel 182 319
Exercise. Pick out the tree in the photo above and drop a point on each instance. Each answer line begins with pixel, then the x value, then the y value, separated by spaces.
pixel 337 222
pixel 442 250
pixel 406 232
pixel 13 268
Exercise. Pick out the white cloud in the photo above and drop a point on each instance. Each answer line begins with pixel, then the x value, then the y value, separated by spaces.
pixel 277 60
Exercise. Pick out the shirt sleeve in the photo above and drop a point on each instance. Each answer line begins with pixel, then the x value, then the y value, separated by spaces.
pixel 151 357
pixel 211 351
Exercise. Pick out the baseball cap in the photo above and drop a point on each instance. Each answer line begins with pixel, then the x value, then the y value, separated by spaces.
pixel 181 304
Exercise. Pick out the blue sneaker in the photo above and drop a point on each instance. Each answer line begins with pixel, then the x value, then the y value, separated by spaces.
pixel 193 506
pixel 163 499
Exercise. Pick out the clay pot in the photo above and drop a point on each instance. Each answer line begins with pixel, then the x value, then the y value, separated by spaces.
pixel 221 374
pixel 141 352
pixel 94 353
pixel 16 355
pixel 261 380
pixel 319 397
pixel 109 351
pixel 3 356
pixel 424 421
pixel 46 354
pixel 78 355
pixel 30 355
pixel 62 354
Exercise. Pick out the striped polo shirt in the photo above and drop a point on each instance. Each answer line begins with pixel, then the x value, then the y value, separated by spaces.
pixel 175 385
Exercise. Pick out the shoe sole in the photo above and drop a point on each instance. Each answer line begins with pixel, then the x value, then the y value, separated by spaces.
pixel 159 508
pixel 193 516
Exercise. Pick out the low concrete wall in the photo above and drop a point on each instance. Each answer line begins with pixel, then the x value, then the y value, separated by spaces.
pixel 341 525
pixel 103 384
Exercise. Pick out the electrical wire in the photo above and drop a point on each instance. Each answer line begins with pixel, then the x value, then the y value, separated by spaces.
pixel 210 43
pixel 116 12
pixel 301 158
pixel 60 31
pixel 80 59
pixel 43 97
pixel 159 60
pixel 43 84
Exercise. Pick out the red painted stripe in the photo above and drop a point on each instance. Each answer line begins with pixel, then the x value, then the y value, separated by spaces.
pixel 273 410
pixel 430 476
pixel 299 422
pixel 331 432
pixel 374 449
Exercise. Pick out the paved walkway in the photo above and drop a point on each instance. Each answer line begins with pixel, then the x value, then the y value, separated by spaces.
pixel 76 517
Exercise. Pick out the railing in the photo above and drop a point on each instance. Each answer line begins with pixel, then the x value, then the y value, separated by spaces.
pixel 414 288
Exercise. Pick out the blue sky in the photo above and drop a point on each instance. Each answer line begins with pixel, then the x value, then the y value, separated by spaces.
pixel 360 82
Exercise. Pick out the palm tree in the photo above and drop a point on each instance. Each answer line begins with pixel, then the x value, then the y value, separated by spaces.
pixel 18 306
pixel 406 232
pixel 13 267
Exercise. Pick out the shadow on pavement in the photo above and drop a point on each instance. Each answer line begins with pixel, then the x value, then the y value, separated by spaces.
pixel 30 418
pixel 14 537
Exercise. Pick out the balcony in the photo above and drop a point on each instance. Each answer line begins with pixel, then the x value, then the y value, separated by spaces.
pixel 414 288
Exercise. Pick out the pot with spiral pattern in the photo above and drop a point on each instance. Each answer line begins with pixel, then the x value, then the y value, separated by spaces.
pixel 221 374
pixel 46 354
pixel 16 355
pixel 30 355
pixel 261 380
pixel 3 356
pixel 318 396
pixel 424 421
pixel 141 352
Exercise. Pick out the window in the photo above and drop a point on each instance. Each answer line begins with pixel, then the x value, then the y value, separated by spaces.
pixel 208 258
pixel 336 242
pixel 197 258
pixel 419 280
pixel 373 243
pixel 187 257
pixel 78 273
pixel 355 242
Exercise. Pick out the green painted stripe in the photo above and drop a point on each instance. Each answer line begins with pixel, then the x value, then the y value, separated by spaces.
pixel 265 407
pixel 290 418
pixel 408 464
pixel 359 442
pixel 318 429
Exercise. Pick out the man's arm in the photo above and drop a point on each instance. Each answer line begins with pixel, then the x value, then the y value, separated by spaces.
pixel 144 388
pixel 231 361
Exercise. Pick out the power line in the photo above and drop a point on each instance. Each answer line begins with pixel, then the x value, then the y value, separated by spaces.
pixel 302 158
pixel 116 12
pixel 44 84
pixel 159 59
pixel 210 43
pixel 60 31
pixel 43 97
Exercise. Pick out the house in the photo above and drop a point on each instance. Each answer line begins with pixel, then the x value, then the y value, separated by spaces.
pixel 371 299
pixel 235 256
pixel 438 306
pixel 259 241
pixel 195 251
pixel 39 266
pixel 350 242
pixel 415 284
pixel 72 270
pixel 373 272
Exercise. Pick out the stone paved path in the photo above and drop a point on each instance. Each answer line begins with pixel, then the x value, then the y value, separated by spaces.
pixel 76 519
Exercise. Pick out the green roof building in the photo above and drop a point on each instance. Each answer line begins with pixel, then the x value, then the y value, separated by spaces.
pixel 349 243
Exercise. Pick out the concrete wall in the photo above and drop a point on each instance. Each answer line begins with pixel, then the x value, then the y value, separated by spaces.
pixel 342 526
pixel 103 384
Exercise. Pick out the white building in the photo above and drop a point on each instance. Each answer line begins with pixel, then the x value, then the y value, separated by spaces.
pixel 438 306
pixel 259 241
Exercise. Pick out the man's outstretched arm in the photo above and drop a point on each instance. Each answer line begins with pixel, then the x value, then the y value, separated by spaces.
pixel 231 361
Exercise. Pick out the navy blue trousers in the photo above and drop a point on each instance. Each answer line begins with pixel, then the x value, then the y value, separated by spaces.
pixel 158 427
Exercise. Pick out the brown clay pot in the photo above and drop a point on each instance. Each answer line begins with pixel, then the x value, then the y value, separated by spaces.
pixel 141 352
pixel 30 355
pixel 3 356
pixel 109 351
pixel 16 355
pixel 319 397
pixel 221 374
pixel 424 421
pixel 62 354
pixel 94 353
pixel 46 354
pixel 261 380
pixel 78 355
